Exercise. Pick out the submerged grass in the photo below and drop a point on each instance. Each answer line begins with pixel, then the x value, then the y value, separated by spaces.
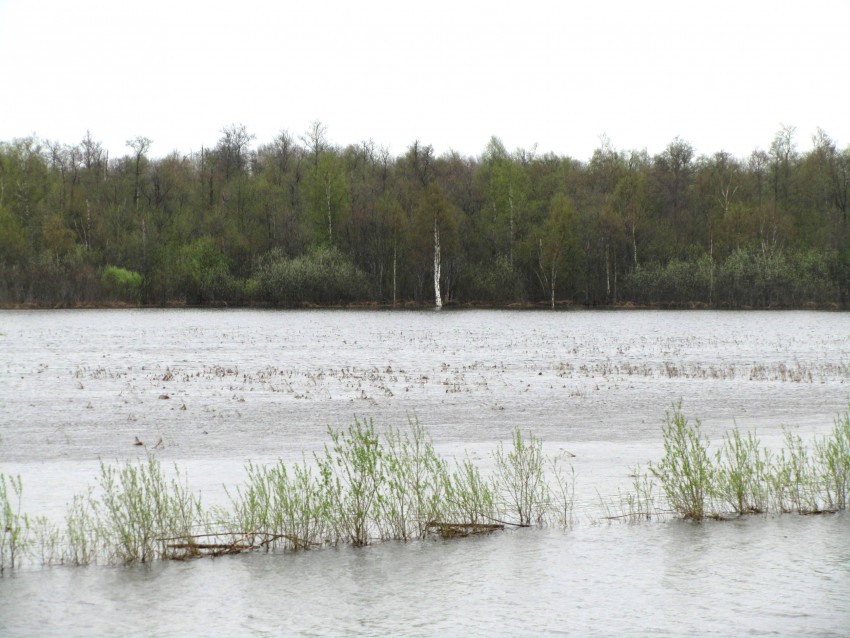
pixel 367 486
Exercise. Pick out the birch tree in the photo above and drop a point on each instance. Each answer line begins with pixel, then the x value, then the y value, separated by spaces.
pixel 436 217
pixel 557 243
pixel 328 196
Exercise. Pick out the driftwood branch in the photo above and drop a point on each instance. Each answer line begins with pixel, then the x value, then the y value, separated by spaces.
pixel 239 542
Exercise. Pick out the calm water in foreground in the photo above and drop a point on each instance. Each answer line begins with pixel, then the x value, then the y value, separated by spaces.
pixel 79 386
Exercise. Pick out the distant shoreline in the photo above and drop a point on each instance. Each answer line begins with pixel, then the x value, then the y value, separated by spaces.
pixel 413 305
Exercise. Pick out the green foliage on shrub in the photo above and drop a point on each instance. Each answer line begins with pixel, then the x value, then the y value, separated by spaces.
pixel 120 283
pixel 324 276
pixel 203 273
pixel 745 479
pixel 14 524
pixel 747 277
pixel 520 477
pixel 495 282
pixel 685 471
pixel 142 511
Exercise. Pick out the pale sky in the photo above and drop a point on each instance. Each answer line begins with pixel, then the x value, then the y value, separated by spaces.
pixel 722 75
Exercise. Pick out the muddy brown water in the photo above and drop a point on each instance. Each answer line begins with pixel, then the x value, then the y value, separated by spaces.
pixel 80 386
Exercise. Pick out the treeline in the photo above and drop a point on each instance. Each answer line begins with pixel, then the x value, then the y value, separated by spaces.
pixel 300 221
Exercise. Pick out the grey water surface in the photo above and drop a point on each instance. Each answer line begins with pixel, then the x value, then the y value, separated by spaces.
pixel 211 389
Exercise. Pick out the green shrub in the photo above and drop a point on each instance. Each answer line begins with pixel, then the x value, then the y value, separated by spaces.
pixel 742 473
pixel 203 273
pixel 520 478
pixel 325 276
pixel 685 472
pixel 833 457
pixel 494 282
pixel 352 471
pixel 793 477
pixel 287 507
pixel 414 490
pixel 14 525
pixel 142 512
pixel 469 498
pixel 122 284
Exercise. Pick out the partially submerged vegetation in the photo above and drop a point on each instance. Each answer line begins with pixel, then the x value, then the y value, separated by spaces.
pixel 367 486
pixel 743 478
pixel 363 487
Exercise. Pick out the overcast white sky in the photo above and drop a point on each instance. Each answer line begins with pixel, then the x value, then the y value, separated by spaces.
pixel 721 74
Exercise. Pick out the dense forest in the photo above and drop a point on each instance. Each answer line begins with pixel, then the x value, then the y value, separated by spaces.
pixel 300 221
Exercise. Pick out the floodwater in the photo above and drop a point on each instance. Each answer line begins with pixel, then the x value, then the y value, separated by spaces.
pixel 209 390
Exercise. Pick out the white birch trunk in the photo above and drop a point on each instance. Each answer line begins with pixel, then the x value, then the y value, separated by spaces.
pixel 438 299
pixel 552 288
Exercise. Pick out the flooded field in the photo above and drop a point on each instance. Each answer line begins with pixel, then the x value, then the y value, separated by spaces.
pixel 210 390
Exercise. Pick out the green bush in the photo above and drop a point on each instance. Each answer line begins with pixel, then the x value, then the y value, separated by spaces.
pixel 686 473
pixel 143 512
pixel 14 525
pixel 833 458
pixel 491 282
pixel 353 476
pixel 203 273
pixel 122 284
pixel 742 473
pixel 324 276
pixel 520 478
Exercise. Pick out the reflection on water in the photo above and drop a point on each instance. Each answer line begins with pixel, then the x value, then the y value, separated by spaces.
pixel 786 575
pixel 76 387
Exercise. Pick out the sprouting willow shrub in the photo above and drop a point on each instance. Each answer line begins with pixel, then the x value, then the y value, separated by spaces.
pixel 520 478
pixel 416 484
pixel 142 512
pixel 289 504
pixel 469 497
pixel 745 478
pixel 353 476
pixel 685 471
pixel 742 473
pixel 396 486
pixel 14 525
pixel 795 485
pixel 833 459
pixel 84 532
